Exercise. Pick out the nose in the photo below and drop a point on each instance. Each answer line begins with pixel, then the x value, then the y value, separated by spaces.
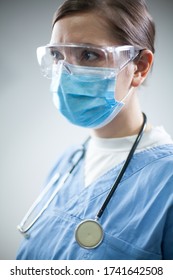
pixel 69 59
pixel 69 55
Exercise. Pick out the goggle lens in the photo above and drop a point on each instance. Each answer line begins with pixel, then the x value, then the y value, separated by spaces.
pixel 85 56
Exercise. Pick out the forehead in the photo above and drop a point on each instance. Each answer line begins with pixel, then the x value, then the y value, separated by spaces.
pixel 82 28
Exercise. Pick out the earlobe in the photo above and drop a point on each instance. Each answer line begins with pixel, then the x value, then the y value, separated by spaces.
pixel 142 67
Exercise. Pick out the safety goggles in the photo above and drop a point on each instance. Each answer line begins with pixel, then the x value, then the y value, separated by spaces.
pixel 85 55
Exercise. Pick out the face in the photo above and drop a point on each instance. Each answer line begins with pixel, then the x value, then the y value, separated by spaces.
pixel 91 29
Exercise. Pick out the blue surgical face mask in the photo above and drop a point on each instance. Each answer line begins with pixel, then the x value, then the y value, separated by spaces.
pixel 85 95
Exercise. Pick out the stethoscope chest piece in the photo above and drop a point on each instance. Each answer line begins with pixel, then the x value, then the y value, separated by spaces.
pixel 89 234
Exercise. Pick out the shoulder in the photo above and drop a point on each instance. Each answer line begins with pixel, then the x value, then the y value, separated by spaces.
pixel 154 166
pixel 157 153
pixel 154 163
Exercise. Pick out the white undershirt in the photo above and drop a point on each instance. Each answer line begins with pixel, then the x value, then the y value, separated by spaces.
pixel 104 154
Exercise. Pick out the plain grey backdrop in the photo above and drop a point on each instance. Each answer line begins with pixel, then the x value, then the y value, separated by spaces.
pixel 32 133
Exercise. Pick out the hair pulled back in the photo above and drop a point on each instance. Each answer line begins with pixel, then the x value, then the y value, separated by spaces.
pixel 129 21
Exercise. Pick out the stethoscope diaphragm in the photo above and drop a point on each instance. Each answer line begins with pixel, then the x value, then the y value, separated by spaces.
pixel 89 234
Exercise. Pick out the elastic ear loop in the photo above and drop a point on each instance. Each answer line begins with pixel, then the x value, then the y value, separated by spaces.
pixel 131 88
pixel 128 93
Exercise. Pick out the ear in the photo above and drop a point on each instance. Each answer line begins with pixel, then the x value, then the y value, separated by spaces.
pixel 142 67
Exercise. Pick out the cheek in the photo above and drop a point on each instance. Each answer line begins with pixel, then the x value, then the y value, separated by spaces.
pixel 123 84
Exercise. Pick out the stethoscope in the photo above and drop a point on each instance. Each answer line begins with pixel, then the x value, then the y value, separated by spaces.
pixel 89 233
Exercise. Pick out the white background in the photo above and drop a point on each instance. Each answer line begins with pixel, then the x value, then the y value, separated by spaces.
pixel 86 269
pixel 32 133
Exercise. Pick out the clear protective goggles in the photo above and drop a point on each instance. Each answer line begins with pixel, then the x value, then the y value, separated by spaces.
pixel 85 55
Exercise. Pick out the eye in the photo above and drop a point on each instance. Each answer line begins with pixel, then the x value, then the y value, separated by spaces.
pixel 93 57
pixel 56 55
pixel 89 56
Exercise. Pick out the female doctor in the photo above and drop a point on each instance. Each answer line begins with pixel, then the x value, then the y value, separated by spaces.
pixel 112 197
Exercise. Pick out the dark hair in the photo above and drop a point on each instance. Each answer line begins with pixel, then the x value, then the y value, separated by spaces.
pixel 129 20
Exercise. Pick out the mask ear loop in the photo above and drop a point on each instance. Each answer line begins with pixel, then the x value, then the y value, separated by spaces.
pixel 131 88
pixel 127 95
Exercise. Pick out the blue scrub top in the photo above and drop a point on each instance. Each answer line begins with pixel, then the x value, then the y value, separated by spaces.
pixel 137 223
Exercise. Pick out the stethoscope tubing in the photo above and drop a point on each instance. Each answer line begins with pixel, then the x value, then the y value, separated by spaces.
pixel 89 233
pixel 52 182
pixel 122 171
pixel 55 179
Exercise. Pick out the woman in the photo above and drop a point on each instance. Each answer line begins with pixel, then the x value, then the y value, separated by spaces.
pixel 117 202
